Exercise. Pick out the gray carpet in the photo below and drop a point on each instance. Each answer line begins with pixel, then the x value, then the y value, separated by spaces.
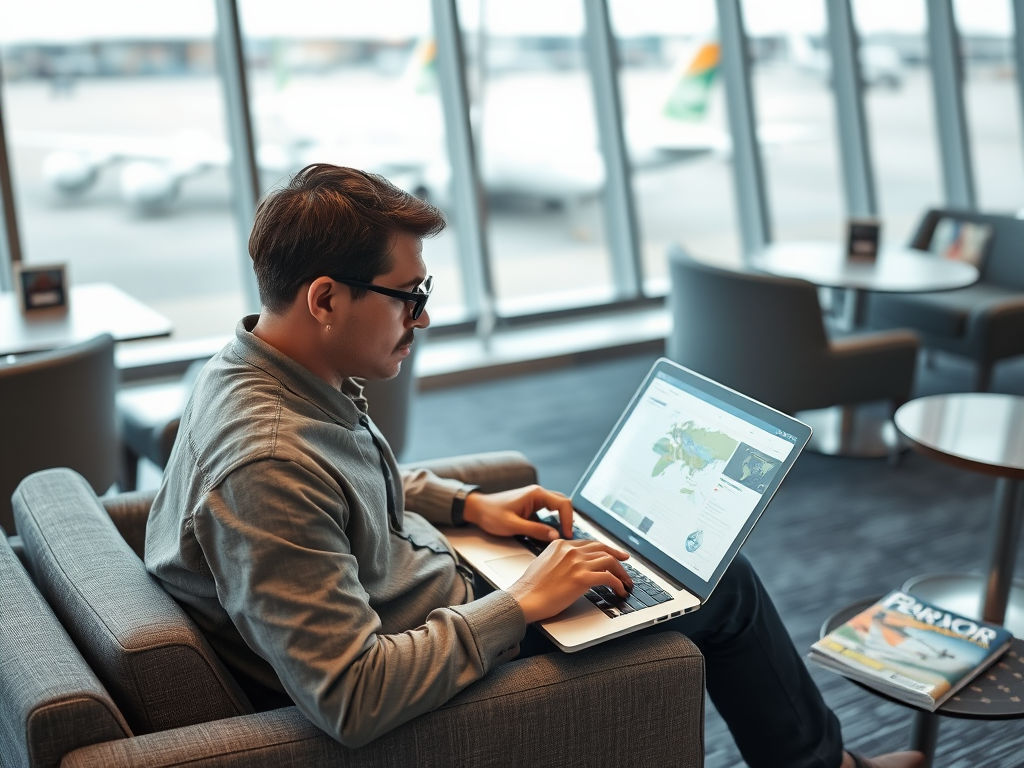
pixel 838 530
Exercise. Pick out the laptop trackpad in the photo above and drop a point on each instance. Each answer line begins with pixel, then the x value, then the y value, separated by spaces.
pixel 509 569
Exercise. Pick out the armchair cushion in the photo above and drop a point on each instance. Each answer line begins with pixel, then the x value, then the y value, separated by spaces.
pixel 495 471
pixel 545 710
pixel 50 701
pixel 138 640
pixel 944 313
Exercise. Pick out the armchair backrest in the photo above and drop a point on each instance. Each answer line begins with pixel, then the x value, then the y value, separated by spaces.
pixel 50 701
pixel 141 644
pixel 57 410
pixel 761 335
pixel 1003 258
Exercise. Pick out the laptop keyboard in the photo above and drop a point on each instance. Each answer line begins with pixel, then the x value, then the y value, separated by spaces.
pixel 645 593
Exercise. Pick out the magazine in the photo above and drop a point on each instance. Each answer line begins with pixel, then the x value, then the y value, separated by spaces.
pixel 911 650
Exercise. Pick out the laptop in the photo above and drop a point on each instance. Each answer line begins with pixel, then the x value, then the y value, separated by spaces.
pixel 679 483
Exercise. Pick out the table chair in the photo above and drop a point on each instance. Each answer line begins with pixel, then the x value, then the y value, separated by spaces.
pixel 983 322
pixel 57 410
pixel 764 336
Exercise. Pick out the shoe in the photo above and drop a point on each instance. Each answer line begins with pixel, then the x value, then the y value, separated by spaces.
pixel 891 760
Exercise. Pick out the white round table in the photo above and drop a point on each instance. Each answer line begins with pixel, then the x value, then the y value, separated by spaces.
pixel 982 432
pixel 844 431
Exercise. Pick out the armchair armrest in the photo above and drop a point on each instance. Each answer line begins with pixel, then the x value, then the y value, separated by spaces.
pixel 130 511
pixel 997 327
pixel 493 472
pixel 555 709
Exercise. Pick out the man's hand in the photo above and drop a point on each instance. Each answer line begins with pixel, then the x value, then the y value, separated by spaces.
pixel 509 513
pixel 563 572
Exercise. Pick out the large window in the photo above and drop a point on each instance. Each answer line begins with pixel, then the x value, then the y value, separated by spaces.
pixel 537 148
pixel 796 117
pixel 992 102
pixel 114 115
pixel 676 130
pixel 354 83
pixel 901 116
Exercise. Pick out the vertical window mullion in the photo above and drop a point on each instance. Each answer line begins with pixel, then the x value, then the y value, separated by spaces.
pixel 619 208
pixel 468 201
pixel 948 85
pixel 244 173
pixel 748 168
pixel 848 87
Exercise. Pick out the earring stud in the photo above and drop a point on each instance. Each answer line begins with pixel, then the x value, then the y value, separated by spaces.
pixel 328 327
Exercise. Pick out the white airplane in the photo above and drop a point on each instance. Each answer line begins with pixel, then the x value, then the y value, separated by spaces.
pixel 554 161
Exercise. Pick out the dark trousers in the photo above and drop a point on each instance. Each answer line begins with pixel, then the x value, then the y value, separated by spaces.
pixel 755 676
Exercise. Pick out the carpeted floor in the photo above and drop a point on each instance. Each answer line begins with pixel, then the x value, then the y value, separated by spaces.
pixel 839 529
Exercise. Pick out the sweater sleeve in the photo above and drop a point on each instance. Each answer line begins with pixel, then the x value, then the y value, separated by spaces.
pixel 273 534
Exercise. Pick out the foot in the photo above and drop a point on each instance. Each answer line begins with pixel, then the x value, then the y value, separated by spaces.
pixel 891 760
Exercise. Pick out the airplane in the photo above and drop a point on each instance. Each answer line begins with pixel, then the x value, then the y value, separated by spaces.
pixel 880 65
pixel 518 156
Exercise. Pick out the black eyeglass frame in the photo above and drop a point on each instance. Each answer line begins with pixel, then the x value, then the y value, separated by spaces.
pixel 418 298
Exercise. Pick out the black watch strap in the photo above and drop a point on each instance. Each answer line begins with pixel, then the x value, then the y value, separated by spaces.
pixel 459 504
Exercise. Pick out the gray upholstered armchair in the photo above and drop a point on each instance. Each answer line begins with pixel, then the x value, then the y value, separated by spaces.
pixel 764 336
pixel 983 322
pixel 100 667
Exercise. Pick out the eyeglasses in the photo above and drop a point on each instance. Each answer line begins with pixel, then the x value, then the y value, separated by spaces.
pixel 418 298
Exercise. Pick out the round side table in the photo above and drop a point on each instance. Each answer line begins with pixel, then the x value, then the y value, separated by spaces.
pixel 982 432
pixel 995 694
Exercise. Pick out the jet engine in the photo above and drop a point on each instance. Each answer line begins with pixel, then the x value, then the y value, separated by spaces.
pixel 149 187
pixel 70 173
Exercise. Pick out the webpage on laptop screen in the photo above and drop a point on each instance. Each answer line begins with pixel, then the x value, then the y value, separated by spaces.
pixel 687 474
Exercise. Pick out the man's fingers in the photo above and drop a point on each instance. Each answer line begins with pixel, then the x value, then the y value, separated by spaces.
pixel 614 567
pixel 556 502
pixel 535 530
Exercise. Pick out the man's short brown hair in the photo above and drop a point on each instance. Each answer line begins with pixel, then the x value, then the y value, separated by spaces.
pixel 331 221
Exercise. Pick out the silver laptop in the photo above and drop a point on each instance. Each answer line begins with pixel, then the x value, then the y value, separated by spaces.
pixel 679 483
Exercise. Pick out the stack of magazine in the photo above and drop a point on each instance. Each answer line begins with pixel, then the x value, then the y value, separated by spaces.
pixel 911 650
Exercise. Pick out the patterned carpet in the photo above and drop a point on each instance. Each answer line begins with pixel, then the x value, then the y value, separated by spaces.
pixel 838 530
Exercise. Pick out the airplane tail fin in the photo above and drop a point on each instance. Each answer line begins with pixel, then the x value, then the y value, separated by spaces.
pixel 420 74
pixel 691 85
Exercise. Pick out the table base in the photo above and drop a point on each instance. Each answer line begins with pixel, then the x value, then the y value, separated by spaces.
pixel 851 431
pixel 964 593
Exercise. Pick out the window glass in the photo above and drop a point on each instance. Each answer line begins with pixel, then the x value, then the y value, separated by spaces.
pixel 676 130
pixel 537 148
pixel 992 102
pixel 795 109
pixel 115 122
pixel 901 115
pixel 354 83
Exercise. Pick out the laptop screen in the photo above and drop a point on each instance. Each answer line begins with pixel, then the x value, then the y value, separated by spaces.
pixel 687 471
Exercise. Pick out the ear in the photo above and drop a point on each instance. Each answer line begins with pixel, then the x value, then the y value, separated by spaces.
pixel 323 299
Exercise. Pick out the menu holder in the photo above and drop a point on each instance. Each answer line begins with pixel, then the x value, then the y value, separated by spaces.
pixel 42 289
pixel 862 240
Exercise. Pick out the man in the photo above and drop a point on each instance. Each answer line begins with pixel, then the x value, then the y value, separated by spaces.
pixel 287 531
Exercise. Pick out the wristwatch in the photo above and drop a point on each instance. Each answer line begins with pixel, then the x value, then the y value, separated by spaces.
pixel 459 504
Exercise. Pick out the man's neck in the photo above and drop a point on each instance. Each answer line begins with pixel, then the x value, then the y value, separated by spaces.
pixel 294 338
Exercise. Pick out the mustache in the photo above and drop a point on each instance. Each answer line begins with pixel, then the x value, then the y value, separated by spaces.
pixel 406 341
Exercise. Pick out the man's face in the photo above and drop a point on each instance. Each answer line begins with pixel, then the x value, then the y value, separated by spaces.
pixel 378 329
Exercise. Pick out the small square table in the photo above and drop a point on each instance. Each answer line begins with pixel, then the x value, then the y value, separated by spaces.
pixel 93 309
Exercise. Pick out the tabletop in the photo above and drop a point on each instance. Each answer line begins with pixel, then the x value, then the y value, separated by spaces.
pixel 93 309
pixel 982 431
pixel 897 269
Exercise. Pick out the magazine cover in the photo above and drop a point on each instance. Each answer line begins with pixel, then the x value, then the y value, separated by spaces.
pixel 911 650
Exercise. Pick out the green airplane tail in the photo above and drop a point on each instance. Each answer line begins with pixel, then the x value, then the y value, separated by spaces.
pixel 691 94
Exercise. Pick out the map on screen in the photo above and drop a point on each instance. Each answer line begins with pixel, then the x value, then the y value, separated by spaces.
pixel 686 474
